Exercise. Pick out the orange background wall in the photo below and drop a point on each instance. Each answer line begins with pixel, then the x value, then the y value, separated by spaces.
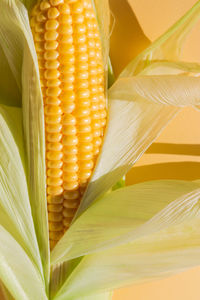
pixel 164 159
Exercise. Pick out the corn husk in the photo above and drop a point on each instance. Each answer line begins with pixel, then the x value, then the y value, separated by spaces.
pixel 119 216
pixel 142 242
pixel 16 41
pixel 15 212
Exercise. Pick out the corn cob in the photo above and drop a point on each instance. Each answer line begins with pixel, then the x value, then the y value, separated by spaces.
pixel 68 48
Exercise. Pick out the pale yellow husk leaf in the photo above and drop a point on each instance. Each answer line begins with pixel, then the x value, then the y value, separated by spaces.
pixel 17 272
pixel 170 243
pixel 15 210
pixel 17 43
pixel 119 215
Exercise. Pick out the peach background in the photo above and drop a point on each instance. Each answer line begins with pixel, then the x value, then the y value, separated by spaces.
pixel 183 161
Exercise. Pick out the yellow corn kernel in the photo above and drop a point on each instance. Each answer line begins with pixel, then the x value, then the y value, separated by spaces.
pixel 70 150
pixel 71 203
pixel 68 47
pixel 71 195
pixel 69 213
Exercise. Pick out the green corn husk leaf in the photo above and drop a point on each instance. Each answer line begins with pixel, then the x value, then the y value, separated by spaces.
pixel 17 272
pixel 117 216
pixel 166 244
pixel 16 41
pixel 15 210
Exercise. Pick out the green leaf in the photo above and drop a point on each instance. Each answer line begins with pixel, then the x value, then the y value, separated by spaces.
pixel 17 272
pixel 168 243
pixel 15 210
pixel 118 215
pixel 16 41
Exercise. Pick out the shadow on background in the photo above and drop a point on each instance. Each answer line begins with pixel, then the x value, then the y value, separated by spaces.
pixel 180 149
pixel 127 39
pixel 170 170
